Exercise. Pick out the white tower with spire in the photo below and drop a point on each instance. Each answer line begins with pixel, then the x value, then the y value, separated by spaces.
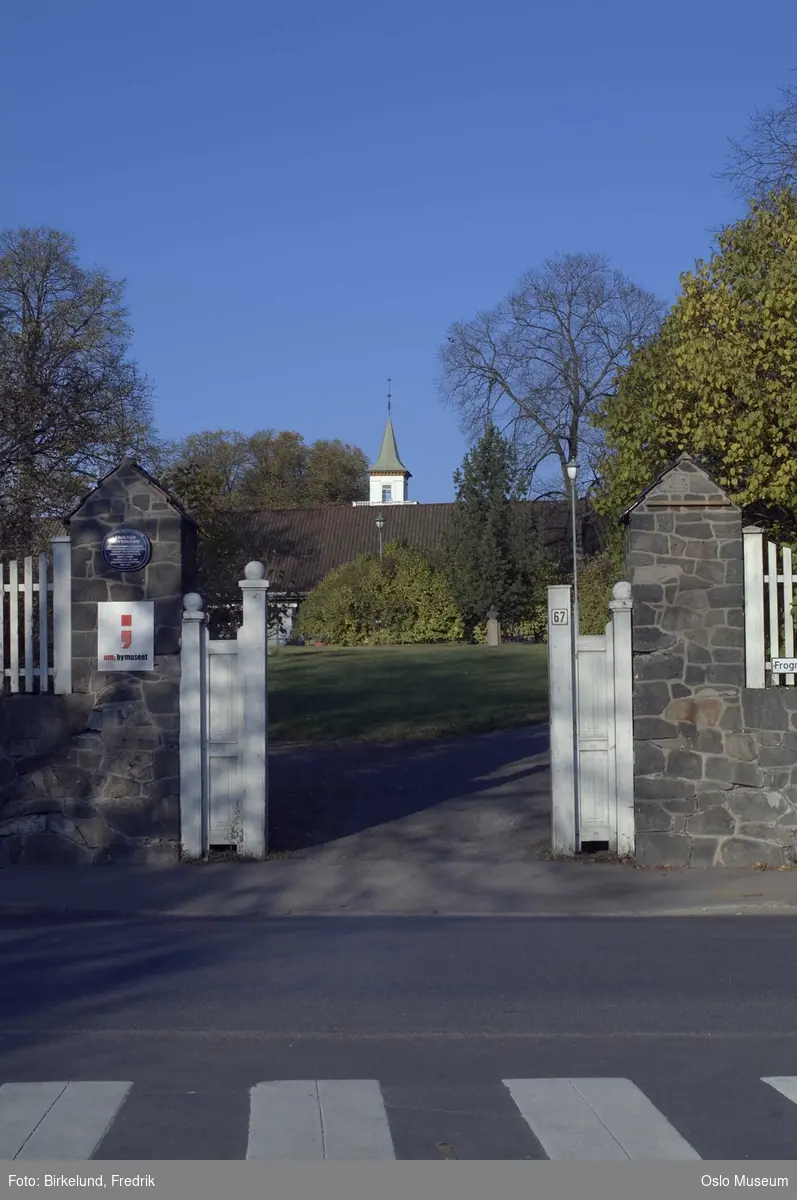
pixel 389 478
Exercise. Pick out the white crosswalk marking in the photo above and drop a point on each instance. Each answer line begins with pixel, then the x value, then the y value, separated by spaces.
pixel 339 1120
pixel 66 1121
pixel 22 1107
pixel 785 1084
pixel 345 1120
pixel 596 1119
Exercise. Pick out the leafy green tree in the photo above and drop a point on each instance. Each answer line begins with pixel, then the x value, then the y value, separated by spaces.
pixel 719 381
pixel 205 474
pixel 399 599
pixel 225 469
pixel 72 401
pixel 206 470
pixel 285 472
pixel 492 550
pixel 277 473
pixel 336 473
pixel 220 474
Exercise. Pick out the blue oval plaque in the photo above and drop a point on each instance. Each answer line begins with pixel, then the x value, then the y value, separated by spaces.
pixel 126 550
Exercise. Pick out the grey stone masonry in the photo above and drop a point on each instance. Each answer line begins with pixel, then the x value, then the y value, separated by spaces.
pixel 96 778
pixel 715 763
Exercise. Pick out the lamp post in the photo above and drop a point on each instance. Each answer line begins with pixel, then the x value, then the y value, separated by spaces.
pixel 572 472
pixel 380 525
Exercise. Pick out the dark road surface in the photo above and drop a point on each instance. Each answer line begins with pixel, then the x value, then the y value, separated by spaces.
pixel 438 1011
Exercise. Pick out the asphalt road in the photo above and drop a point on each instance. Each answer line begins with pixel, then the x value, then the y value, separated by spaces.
pixel 439 1011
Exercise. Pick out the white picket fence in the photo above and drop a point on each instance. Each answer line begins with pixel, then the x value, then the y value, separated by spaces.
pixel 35 616
pixel 769 584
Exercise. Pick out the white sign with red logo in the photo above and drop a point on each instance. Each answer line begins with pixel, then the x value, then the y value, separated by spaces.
pixel 126 635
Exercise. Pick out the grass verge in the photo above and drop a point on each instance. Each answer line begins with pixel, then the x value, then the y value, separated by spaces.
pixel 403 693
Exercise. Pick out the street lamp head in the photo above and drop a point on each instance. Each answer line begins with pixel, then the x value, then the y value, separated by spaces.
pixel 380 522
pixel 572 470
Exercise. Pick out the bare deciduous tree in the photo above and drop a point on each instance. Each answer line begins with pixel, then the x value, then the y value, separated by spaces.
pixel 72 403
pixel 766 159
pixel 540 363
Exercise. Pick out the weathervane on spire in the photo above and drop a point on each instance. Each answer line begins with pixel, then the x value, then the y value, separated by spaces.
pixel 389 397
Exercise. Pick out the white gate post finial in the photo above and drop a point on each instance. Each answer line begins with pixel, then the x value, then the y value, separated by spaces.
pixel 621 606
pixel 562 711
pixel 621 597
pixel 253 665
pixel 193 685
pixel 255 571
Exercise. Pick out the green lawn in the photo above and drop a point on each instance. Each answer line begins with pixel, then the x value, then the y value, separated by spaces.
pixel 402 692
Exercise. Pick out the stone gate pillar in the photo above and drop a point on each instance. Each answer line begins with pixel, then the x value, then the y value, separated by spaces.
pixel 128 764
pixel 715 762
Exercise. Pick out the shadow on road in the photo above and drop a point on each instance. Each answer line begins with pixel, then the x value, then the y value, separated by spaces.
pixel 311 978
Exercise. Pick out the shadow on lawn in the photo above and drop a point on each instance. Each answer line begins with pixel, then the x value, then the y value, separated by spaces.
pixel 485 797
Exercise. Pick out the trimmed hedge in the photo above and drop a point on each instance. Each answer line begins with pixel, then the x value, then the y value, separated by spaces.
pixel 405 599
pixel 398 600
pixel 595 582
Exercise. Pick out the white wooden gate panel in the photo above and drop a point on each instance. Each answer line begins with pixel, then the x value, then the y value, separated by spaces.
pixel 591 714
pixel 222 744
pixel 224 728
pixel 594 739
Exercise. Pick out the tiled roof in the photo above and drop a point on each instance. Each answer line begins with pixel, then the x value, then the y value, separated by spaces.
pixel 301 545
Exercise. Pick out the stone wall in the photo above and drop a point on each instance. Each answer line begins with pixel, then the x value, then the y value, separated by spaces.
pixel 715 763
pixel 48 778
pixel 96 777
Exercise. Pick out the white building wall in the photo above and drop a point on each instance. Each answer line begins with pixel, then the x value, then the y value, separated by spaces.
pixel 397 484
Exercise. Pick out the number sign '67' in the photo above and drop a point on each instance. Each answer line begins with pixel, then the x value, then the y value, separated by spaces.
pixel 558 616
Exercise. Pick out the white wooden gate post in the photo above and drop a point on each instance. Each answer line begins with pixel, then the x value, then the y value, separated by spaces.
pixel 623 714
pixel 193 706
pixel 562 730
pixel 754 645
pixel 253 739
pixel 62 616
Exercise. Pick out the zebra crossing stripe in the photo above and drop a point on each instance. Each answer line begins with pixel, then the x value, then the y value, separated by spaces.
pixel 339 1120
pixel 66 1121
pixel 22 1107
pixel 596 1119
pixel 785 1084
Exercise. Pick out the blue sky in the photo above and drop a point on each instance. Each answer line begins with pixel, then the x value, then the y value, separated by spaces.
pixel 302 198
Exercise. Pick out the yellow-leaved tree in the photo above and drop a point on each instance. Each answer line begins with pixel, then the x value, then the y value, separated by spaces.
pixel 719 380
